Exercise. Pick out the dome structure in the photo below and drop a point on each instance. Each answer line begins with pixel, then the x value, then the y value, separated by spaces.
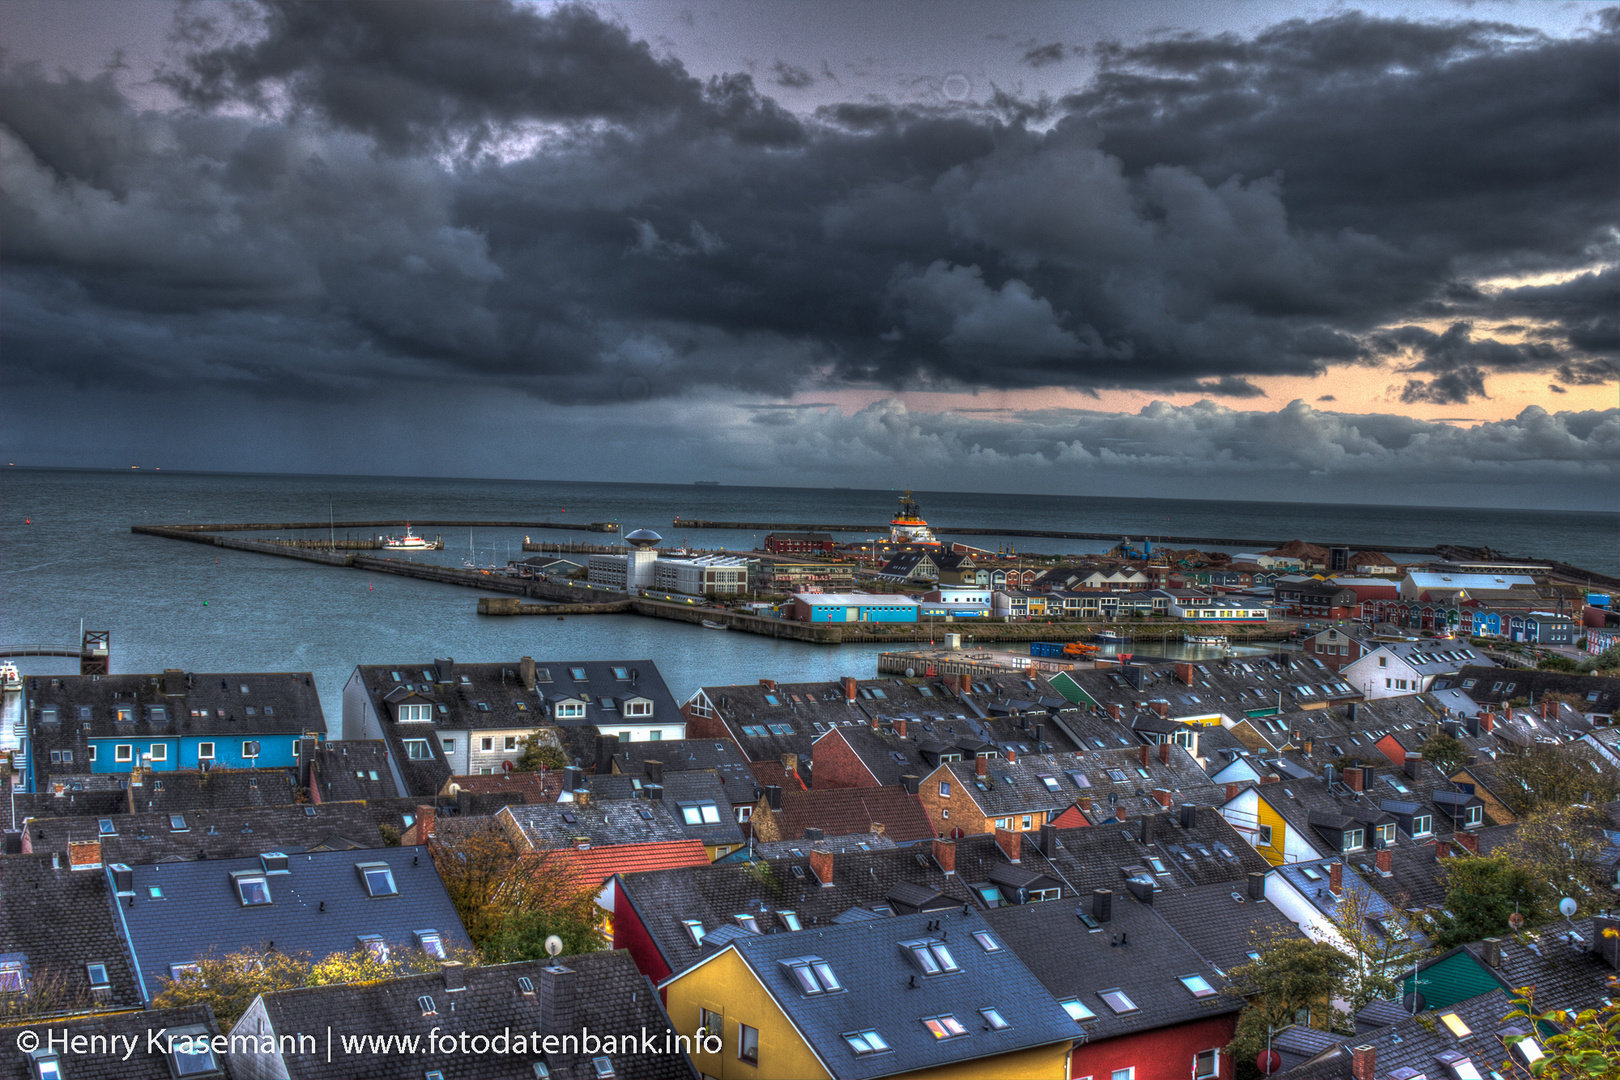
pixel 643 538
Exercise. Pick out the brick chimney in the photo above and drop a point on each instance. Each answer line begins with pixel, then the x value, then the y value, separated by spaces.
pixel 1119 811
pixel 1164 753
pixel 821 864
pixel 967 682
pixel 1487 721
pixel 422 829
pixel 1010 844
pixel 1160 706
pixel 981 766
pixel 1012 756
pixel 848 682
pixel 1336 879
pixel 1468 841
pixel 1233 791
pixel 1142 755
pixel 790 766
pixel 877 723
pixel 900 727
pixel 1184 672
pixel 1442 850
pixel 582 796
pixel 1363 1060
pixel 1162 797
pixel 1549 709
pixel 1355 779
pixel 875 828
pixel 770 685
pixel 1084 802
pixel 84 854
pixel 1385 860
pixel 1116 710
pixel 945 855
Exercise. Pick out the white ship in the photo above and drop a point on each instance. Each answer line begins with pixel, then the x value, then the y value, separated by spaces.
pixel 409 542
pixel 908 526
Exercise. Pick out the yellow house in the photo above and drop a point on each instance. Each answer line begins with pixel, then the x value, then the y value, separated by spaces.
pixel 935 995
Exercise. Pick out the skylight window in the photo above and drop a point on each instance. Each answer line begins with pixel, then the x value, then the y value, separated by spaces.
pixel 1311 873
pixel 1118 1000
pixel 986 942
pixel 97 974
pixel 993 1017
pixel 694 930
pixel 705 813
pixel 1455 1025
pixel 177 823
pixel 790 920
pixel 379 879
pixel 944 1027
pixel 190 1051
pixel 1197 985
pixel 252 889
pixel 813 975
pixel 375 947
pixel 1077 1010
pixel 431 942
pixel 866 1042
pixel 105 825
pixel 1051 783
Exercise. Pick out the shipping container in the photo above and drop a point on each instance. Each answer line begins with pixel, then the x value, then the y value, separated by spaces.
pixel 1046 648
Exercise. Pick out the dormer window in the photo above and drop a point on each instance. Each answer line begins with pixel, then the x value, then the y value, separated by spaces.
pixel 379 879
pixel 415 713
pixel 640 707
pixel 252 888
pixel 790 920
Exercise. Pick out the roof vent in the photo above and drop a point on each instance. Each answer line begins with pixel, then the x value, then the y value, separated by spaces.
pixel 274 862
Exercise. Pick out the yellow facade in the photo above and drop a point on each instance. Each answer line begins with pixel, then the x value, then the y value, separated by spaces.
pixel 727 986
pixel 1275 852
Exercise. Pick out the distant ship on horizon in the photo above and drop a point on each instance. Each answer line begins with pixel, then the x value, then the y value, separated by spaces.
pixel 705 483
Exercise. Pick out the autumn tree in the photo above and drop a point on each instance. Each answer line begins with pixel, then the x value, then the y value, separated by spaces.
pixel 1586 1043
pixel 1379 942
pixel 1562 848
pixel 511 896
pixel 1553 776
pixel 1445 752
pixel 540 752
pixel 229 982
pixel 48 991
pixel 1480 895
pixel 1295 980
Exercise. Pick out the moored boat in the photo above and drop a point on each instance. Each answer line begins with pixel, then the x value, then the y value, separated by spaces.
pixel 409 542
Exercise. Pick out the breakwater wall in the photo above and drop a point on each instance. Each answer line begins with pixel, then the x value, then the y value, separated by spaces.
pixel 271 526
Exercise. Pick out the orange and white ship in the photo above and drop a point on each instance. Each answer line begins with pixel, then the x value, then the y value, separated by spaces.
pixel 908 526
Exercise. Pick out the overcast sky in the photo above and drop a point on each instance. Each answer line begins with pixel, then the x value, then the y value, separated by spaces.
pixel 1258 250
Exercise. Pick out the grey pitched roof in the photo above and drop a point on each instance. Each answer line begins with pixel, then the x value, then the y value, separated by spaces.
pixel 321 906
pixel 1074 963
pixel 861 841
pixel 1491 686
pixel 1220 926
pixel 681 755
pixel 609 995
pixel 1231 686
pixel 192 789
pixel 212 834
pixel 1562 968
pixel 682 790
pixel 121 1030
pixel 1113 780
pixel 60 919
pixel 1417 1042
pixel 623 821
pixel 880 993
pixel 1316 892
pixel 353 769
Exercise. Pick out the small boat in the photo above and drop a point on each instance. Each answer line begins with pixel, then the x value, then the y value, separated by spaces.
pixel 10 681
pixel 1108 637
pixel 409 542
pixel 1204 639
pixel 710 624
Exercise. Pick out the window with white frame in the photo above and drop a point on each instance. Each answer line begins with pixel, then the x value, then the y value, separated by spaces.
pixel 123 752
pixel 1207 1064
pixel 205 751
pixel 638 708
pixel 415 713
pixel 417 749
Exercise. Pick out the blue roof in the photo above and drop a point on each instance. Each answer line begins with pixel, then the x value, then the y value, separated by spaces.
pixel 320 905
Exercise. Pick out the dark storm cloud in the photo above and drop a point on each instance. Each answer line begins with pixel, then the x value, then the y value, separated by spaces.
pixel 1555 388
pixel 791 75
pixel 1589 372
pixel 1042 55
pixel 531 200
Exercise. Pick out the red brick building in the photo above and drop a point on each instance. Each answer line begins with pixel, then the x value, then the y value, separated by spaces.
pixel 800 543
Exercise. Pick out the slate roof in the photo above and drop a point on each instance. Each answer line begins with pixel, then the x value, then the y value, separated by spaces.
pixel 141 1063
pixel 1071 962
pixel 1562 968
pixel 1416 1043
pixel 681 755
pixel 1221 927
pixel 879 993
pixel 861 841
pixel 353 769
pixel 60 919
pixel 19 806
pixel 320 907
pixel 844 811
pixel 1232 686
pixel 1490 686
pixel 191 789
pixel 211 834
pixel 697 786
pixel 1208 852
pixel 1318 895
pixel 519 787
pixel 1114 774
pixel 610 996
pixel 613 822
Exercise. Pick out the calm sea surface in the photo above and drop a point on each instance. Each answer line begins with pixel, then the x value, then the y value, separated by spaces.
pixel 174 604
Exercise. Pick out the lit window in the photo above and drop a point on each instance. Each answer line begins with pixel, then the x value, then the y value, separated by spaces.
pixel 1455 1025
pixel 994 1018
pixel 1198 985
pixel 379 879
pixel 944 1027
pixel 1077 1010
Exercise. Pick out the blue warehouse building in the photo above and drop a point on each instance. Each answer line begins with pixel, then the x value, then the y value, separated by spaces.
pixel 854 607
pixel 177 720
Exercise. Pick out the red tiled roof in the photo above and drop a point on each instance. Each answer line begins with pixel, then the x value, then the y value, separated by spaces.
pixel 534 787
pixel 596 864
pixel 770 773
pixel 1071 818
pixel 847 811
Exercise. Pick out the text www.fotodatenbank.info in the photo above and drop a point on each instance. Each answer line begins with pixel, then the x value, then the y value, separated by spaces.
pixel 440 1041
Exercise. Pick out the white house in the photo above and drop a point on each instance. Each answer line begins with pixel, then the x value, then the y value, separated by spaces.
pixel 1408 667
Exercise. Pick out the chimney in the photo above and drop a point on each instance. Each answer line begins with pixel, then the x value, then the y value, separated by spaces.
pixel 1142 755
pixel 981 766
pixel 911 782
pixel 812 834
pixel 849 687
pixel 1414 764
pixel 1160 706
pixel 1549 709
pixel 1336 879
pixel 654 770
pixel 306 763
pixel 1189 815
pixel 1119 811
pixel 1009 843
pixel 464 802
pixel 655 792
pixel 1468 841
pixel 770 684
pixel 1354 778
pixel 1363 1060
pixel 821 864
pixel 1142 890
pixel 1233 791
pixel 573 778
pixel 1257 885
pixel 526 671
pixel 790 765
pixel 582 796
pixel 84 854
pixel 123 878
pixel 1606 948
pixel 877 723
pixel 1048 840
pixel 1385 861
pixel 1102 904
pixel 607 747
pixel 1184 672
pixel 967 683
pixel 1150 825
pixel 1487 721
pixel 773 796
pixel 1036 732
pixel 900 727
pixel 1442 850
pixel 1471 725
pixel 446 669
pixel 455 975
pixel 1085 804
pixel 1012 756
pixel 424 824
pixel 945 855
pixel 174 681
pixel 557 1012
pixel 875 828
pixel 1490 951
pixel 1162 797
pixel 1164 753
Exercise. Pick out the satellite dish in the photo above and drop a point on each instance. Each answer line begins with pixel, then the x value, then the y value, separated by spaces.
pixel 506 766
pixel 1268 1062
pixel 1515 922
pixel 554 945
pixel 1566 907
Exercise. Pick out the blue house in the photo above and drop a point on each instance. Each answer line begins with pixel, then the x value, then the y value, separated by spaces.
pixel 177 720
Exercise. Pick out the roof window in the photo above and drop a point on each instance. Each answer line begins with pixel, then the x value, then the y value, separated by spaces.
pixel 375 947
pixel 425 1003
pixel 96 972
pixel 931 956
pixel 431 942
pixel 694 930
pixel 866 1042
pixel 700 813
pixel 106 826
pixel 379 878
pixel 944 1027
pixel 1118 1000
pixel 1051 783
pixel 252 888
pixel 177 823
pixel 994 1019
pixel 986 942
pixel 790 920
pixel 191 1052
pixel 578 674
pixel 1455 1025
pixel 1077 1010
pixel 603 1066
pixel 1197 985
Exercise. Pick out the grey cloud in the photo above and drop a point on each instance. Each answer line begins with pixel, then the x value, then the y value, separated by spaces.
pixel 1456 387
pixel 1589 372
pixel 1555 388
pixel 791 76
pixel 1327 397
pixel 1042 55
pixel 1231 386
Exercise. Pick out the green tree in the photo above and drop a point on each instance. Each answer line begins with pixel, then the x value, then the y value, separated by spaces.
pixel 1445 752
pixel 1555 776
pixel 1562 848
pixel 1554 662
pixel 1378 942
pixel 1295 980
pixel 540 752
pixel 1606 662
pixel 1481 893
pixel 1587 1043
